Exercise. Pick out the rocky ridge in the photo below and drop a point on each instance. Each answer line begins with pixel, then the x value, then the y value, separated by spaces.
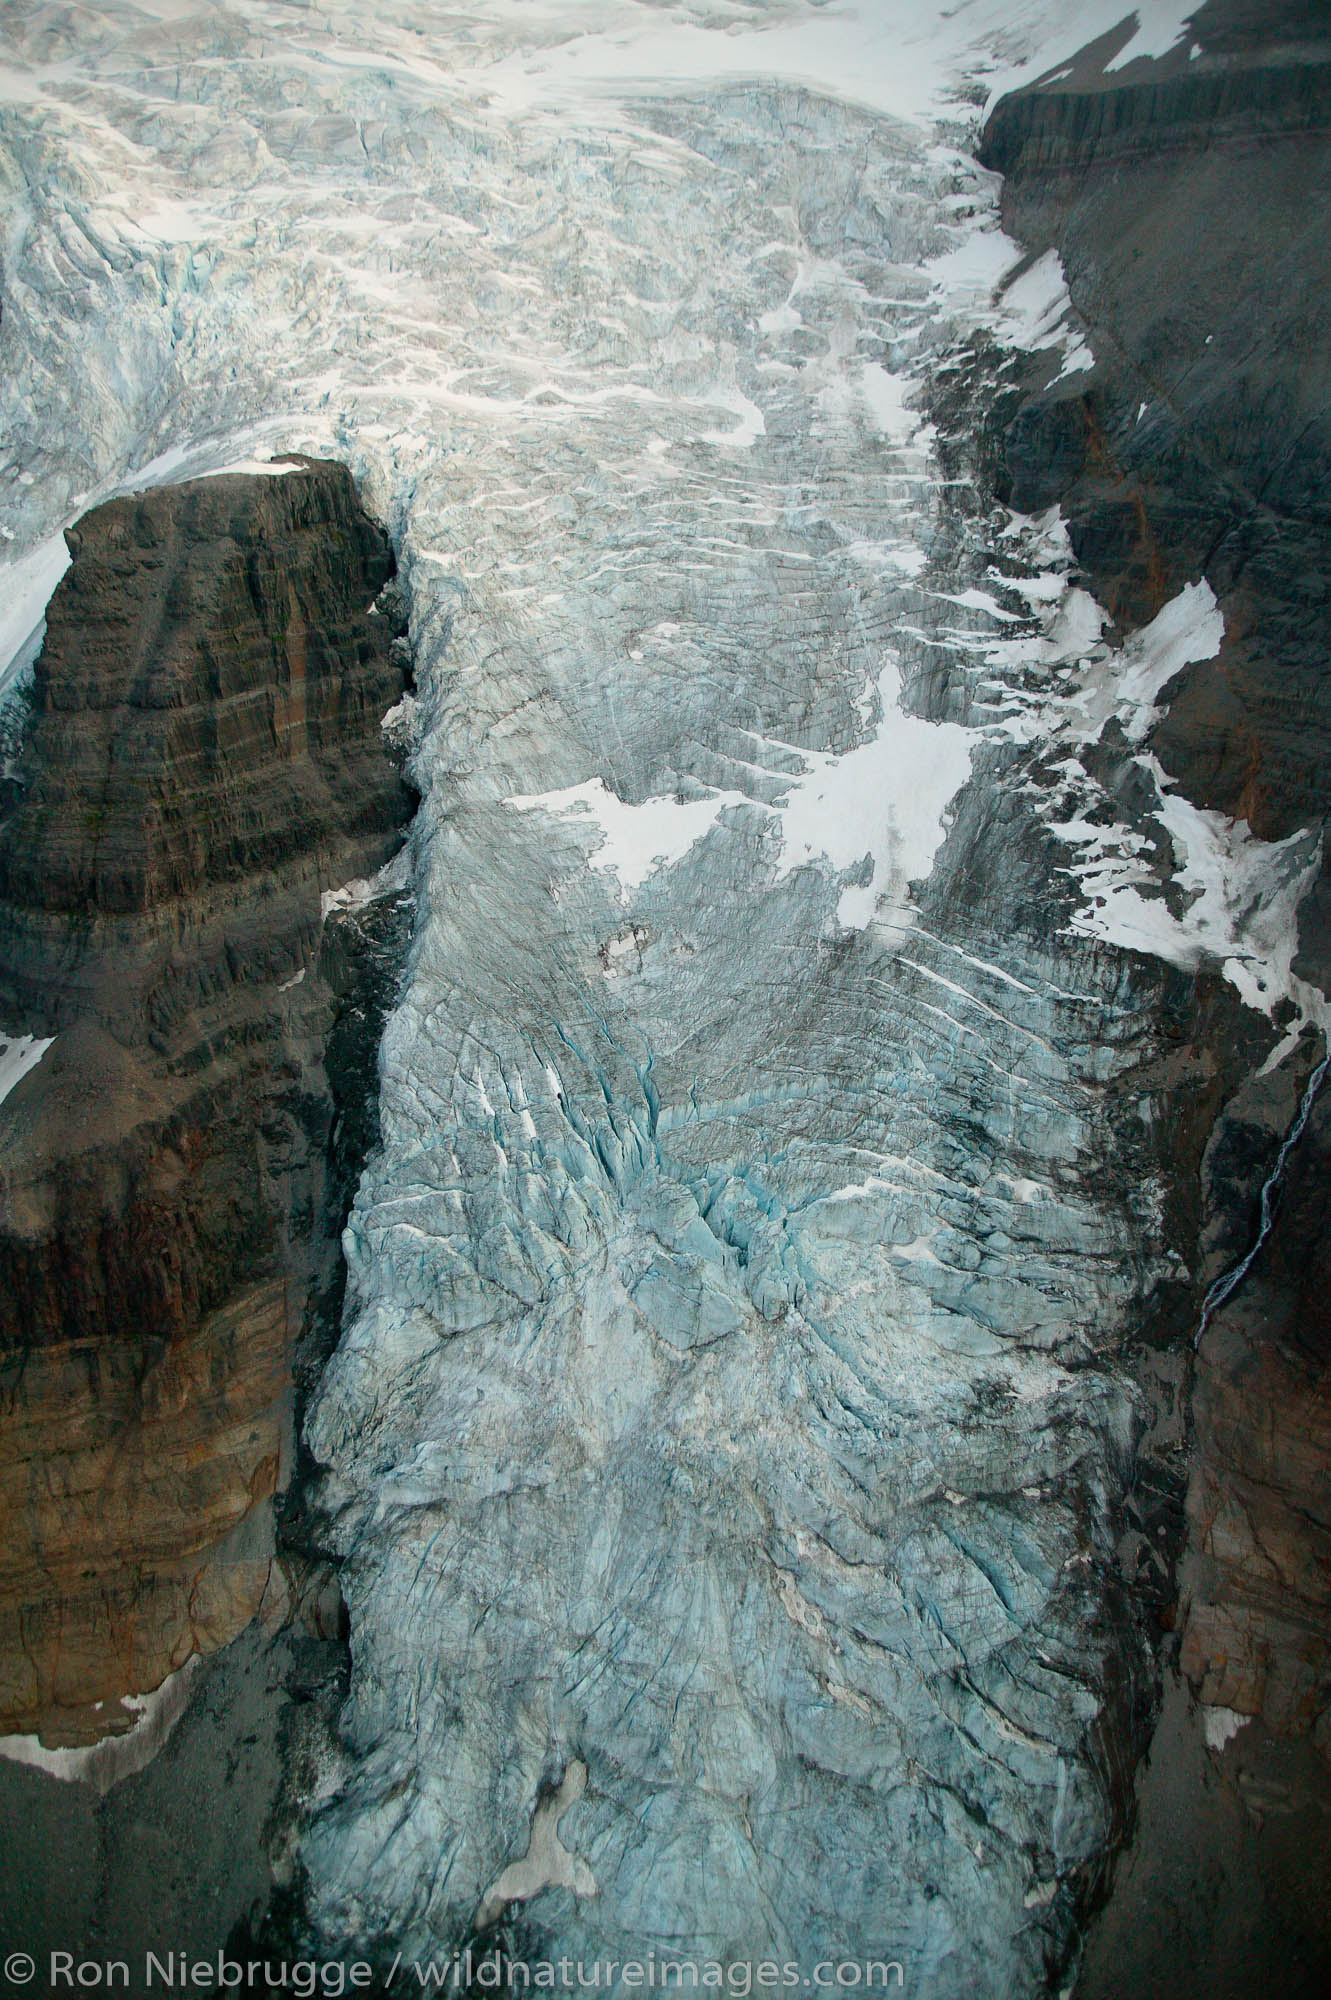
pixel 202 761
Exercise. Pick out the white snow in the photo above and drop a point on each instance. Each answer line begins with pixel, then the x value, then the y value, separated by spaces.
pixel 885 396
pixel 390 880
pixel 254 468
pixel 25 591
pixel 1209 888
pixel 19 1054
pixel 632 841
pixel 1034 306
pixel 884 799
pixel 751 425
pixel 1022 305
pixel 1128 682
pixel 104 1763
pixel 890 55
pixel 1237 899
pixel 1159 28
pixel 1221 1725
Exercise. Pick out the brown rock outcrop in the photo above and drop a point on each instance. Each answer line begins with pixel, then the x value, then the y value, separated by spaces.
pixel 203 759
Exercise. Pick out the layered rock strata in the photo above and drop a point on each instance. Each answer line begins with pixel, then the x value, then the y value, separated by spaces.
pixel 203 762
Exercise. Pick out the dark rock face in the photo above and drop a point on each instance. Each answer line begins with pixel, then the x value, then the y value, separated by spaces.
pixel 1193 215
pixel 1191 204
pixel 203 760
pixel 1258 1576
pixel 205 746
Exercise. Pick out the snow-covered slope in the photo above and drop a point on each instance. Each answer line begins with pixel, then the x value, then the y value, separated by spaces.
pixel 731 1402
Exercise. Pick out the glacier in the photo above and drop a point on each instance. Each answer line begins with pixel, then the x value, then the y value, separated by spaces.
pixel 727 1447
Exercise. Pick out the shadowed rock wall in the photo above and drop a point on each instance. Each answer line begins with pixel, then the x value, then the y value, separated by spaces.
pixel 1190 201
pixel 203 759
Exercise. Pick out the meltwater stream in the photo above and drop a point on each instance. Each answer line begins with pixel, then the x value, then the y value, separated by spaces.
pixel 1229 1281
pixel 731 1411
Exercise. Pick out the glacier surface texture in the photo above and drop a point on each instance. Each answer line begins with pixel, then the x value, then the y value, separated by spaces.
pixel 729 1432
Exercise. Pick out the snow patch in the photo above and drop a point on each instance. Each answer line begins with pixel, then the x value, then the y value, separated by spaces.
pixel 1195 886
pixel 391 880
pixel 1240 894
pixel 1221 1725
pixel 19 1054
pixel 883 800
pixel 1022 306
pixel 1128 683
pixel 253 468
pixel 888 55
pixel 885 396
pixel 631 841
pixel 547 1863
pixel 106 1762
pixel 751 426
pixel 25 590
pixel 881 803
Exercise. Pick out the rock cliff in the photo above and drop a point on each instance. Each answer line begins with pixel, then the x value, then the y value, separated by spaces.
pixel 1190 203
pixel 202 761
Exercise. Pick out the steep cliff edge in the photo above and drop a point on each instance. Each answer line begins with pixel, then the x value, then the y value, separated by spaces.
pixel 1190 202
pixel 203 761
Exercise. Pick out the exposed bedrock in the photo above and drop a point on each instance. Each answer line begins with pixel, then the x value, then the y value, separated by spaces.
pixel 1192 211
pixel 1191 204
pixel 203 759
